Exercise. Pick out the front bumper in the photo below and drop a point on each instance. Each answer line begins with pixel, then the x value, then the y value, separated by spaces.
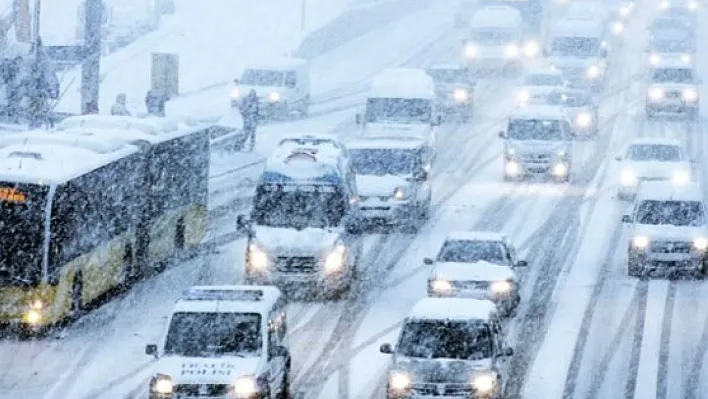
pixel 386 211
pixel 505 301
pixel 674 106
pixel 666 262
pixel 289 274
pixel 517 168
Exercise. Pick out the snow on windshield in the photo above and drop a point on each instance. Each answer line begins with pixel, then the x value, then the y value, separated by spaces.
pixel 676 213
pixel 543 80
pixel 673 75
pixel 433 339
pixel 298 206
pixel 576 46
pixel 398 110
pixel 192 334
pixel 384 161
pixel 259 77
pixel 534 129
pixel 449 75
pixel 673 46
pixel 654 152
pixel 491 38
pixel 466 251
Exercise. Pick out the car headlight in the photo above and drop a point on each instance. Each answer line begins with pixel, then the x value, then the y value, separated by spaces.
pixel 628 177
pixel 501 287
pixel 656 93
pixel 399 381
pixel 460 95
pixel 162 384
pixel 235 92
pixel 400 193
pixel 484 383
pixel 512 51
pixel 273 96
pixel 510 152
pixel 512 168
pixel 470 51
pixel 593 72
pixel 531 49
pixel 523 96
pixel 640 242
pixel 441 286
pixel 624 11
pixel 245 386
pixel 686 58
pixel 561 153
pixel 690 94
pixel 654 59
pixel 618 28
pixel 334 261
pixel 664 5
pixel 681 178
pixel 700 244
pixel 583 119
pixel 692 5
pixel 560 169
pixel 257 258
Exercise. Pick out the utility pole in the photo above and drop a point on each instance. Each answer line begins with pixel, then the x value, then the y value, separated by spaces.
pixel 90 71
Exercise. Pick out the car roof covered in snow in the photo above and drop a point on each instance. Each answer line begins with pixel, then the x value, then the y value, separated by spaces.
pixel 38 156
pixel 654 141
pixel 387 143
pixel 446 66
pixel 228 299
pixel 475 236
pixel 678 32
pixel 408 83
pixel 310 139
pixel 300 164
pixel 579 27
pixel 496 17
pixel 667 191
pixel 539 111
pixel 278 64
pixel 586 9
pixel 452 309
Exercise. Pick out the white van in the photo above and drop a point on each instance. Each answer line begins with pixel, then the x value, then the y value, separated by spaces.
pixel 282 86
pixel 577 47
pixel 401 102
pixel 497 40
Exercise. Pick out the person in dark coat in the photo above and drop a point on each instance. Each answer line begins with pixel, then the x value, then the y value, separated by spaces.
pixel 120 108
pixel 155 101
pixel 250 114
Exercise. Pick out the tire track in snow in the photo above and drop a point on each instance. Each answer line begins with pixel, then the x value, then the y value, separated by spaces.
pixel 664 348
pixel 638 334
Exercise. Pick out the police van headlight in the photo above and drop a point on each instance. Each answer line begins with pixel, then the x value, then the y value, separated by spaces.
pixel 245 387
pixel 640 242
pixel 628 178
pixel 700 244
pixel 656 93
pixel 501 287
pixel 523 96
pixel 484 383
pixel 690 95
pixel 440 286
pixel 680 177
pixel 470 51
pixel 399 381
pixel 531 49
pixel 654 59
pixel 460 95
pixel 686 58
pixel 235 93
pixel 162 385
pixel 511 51
pixel 618 28
pixel 593 72
pixel 583 120
pixel 335 259
pixel 273 97
pixel 257 257
pixel 400 193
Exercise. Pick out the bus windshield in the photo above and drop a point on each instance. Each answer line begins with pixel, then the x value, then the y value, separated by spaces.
pixel 299 206
pixel 22 221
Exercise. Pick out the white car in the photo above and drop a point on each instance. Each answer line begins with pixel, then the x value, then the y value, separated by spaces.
pixel 668 230
pixel 538 84
pixel 673 89
pixel 647 159
pixel 324 142
pixel 582 110
pixel 477 265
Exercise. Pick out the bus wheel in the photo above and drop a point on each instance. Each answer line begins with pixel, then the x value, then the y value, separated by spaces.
pixel 77 294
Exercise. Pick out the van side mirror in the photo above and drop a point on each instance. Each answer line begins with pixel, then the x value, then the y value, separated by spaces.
pixel 521 263
pixel 358 119
pixel 386 348
pixel 428 261
pixel 626 219
pixel 502 134
pixel 421 176
pixel 242 223
pixel 151 350
pixel 278 351
pixel 437 121
pixel 507 352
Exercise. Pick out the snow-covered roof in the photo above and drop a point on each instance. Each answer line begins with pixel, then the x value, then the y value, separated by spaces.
pixel 446 66
pixel 53 160
pixel 452 309
pixel 542 70
pixel 229 299
pixel 655 141
pixel 475 236
pixel 402 83
pixel 278 64
pixel 496 17
pixel 389 143
pixel 579 27
pixel 673 62
pixel 303 164
pixel 539 111
pixel 668 191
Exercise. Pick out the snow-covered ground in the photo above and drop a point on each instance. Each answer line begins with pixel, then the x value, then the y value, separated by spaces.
pixel 584 329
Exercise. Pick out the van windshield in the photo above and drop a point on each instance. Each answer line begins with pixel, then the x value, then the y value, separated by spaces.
pixel 654 153
pixel 576 46
pixel 535 129
pixel 491 38
pixel 543 80
pixel 298 206
pixel 676 213
pixel 472 251
pixel 214 334
pixel 399 110
pixel 380 162
pixel 261 77
pixel 457 75
pixel 446 339
pixel 673 46
pixel 673 75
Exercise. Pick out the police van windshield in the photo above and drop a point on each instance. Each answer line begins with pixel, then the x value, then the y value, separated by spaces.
pixel 298 206
pixel 535 129
pixel 399 110
pixel 22 221
pixel 673 75
pixel 676 213
pixel 654 152
pixel 214 334
pixel 446 339
pixel 449 75
pixel 381 162
pixel 491 38
pixel 261 77
pixel 468 251
pixel 576 46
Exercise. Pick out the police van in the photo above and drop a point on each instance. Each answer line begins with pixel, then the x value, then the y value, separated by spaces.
pixel 224 341
pixel 401 102
pixel 301 232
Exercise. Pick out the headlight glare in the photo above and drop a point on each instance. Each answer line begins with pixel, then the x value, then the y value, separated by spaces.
pixel 593 72
pixel 680 178
pixel 460 95
pixel 235 92
pixel 664 5
pixel 470 51
pixel 692 5
pixel 334 261
pixel 273 96
pixel 690 94
pixel 163 385
pixel 484 383
pixel 512 168
pixel 512 51
pixel 257 258
pixel 245 386
pixel 624 11
pixel 441 286
pixel 700 244
pixel 531 49
pixel 686 58
pixel 399 381
pixel 656 93
pixel 501 287
pixel 628 178
pixel 583 120
pixel 523 96
pixel 654 59
pixel 400 193
pixel 640 242
pixel 618 28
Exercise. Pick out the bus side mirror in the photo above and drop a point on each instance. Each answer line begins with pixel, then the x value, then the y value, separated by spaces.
pixel 242 223
pixel 151 350
pixel 358 119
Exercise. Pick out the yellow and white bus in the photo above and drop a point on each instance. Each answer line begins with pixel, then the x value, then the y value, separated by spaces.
pixel 85 210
